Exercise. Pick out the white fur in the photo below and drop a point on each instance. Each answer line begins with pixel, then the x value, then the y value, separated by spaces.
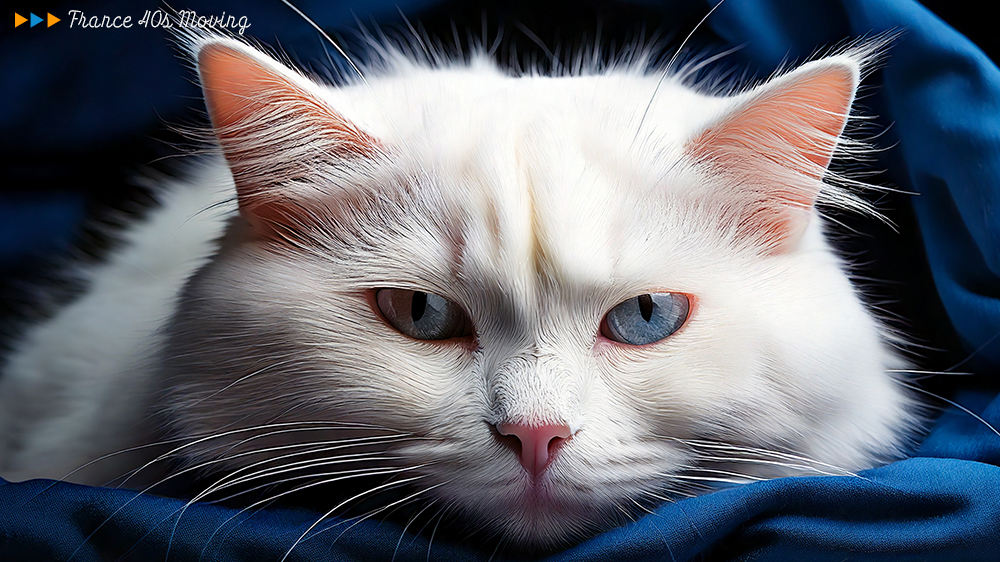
pixel 535 203
pixel 80 384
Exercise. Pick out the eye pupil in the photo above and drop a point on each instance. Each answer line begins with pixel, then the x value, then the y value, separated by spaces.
pixel 646 318
pixel 645 306
pixel 418 306
pixel 422 315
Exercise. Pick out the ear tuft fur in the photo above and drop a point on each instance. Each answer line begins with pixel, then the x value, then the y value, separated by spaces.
pixel 274 128
pixel 777 140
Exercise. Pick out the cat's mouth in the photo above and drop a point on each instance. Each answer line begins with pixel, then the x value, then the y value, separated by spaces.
pixel 543 519
pixel 538 494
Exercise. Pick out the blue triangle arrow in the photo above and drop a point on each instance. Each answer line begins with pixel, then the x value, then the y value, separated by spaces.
pixel 35 20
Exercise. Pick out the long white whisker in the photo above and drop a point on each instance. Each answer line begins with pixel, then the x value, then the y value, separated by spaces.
pixel 115 453
pixel 287 427
pixel 317 446
pixel 953 403
pixel 667 69
pixel 270 460
pixel 700 469
pixel 226 482
pixel 337 477
pixel 129 501
pixel 805 461
pixel 395 551
pixel 374 512
pixel 975 352
pixel 430 542
pixel 774 463
pixel 740 480
pixel 244 378
pixel 342 504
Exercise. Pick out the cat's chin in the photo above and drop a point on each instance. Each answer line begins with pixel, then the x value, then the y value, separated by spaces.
pixel 540 523
pixel 539 516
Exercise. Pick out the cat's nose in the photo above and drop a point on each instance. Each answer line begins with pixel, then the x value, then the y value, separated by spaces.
pixel 535 446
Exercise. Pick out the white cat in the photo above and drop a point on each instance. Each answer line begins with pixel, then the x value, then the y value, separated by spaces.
pixel 538 301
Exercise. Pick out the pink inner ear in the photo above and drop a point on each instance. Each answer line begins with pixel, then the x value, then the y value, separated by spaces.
pixel 794 122
pixel 274 133
pixel 240 92
pixel 779 143
pixel 229 78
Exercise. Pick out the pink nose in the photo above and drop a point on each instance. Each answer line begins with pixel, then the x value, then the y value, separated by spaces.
pixel 538 445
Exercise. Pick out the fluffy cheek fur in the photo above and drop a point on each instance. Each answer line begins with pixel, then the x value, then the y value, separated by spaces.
pixel 798 369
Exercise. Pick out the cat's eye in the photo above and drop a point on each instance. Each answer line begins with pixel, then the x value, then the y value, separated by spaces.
pixel 421 315
pixel 646 318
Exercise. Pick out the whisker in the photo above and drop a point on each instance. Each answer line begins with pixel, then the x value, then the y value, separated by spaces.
pixel 337 477
pixel 773 463
pixel 108 456
pixel 670 66
pixel 148 488
pixel 343 503
pixel 975 352
pixel 918 372
pixel 376 511
pixel 807 463
pixel 407 526
pixel 433 533
pixel 953 403
pixel 710 479
pixel 287 427
pixel 291 455
pixel 640 506
pixel 658 497
pixel 221 485
pixel 295 358
pixel 724 473
pixel 657 515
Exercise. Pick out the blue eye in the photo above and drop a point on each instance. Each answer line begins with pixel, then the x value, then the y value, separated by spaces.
pixel 423 316
pixel 646 318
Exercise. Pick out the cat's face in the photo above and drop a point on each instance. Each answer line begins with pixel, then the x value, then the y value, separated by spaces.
pixel 546 303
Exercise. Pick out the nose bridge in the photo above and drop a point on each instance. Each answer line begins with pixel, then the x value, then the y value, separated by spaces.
pixel 534 388
pixel 535 405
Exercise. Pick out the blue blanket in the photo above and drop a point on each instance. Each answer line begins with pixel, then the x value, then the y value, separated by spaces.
pixel 940 92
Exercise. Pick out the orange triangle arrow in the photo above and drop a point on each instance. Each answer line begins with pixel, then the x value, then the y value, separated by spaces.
pixel 52 20
pixel 19 19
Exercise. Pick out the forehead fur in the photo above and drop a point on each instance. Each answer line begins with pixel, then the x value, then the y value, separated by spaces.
pixel 553 176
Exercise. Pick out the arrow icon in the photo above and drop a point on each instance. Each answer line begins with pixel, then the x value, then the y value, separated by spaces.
pixel 35 20
pixel 19 19
pixel 52 20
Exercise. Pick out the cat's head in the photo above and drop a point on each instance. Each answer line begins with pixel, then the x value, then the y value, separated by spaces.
pixel 538 301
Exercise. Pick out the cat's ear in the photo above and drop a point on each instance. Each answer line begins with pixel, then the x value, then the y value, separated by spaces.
pixel 776 143
pixel 275 130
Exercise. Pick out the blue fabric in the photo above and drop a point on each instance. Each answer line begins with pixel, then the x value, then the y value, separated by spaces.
pixel 920 509
pixel 943 96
